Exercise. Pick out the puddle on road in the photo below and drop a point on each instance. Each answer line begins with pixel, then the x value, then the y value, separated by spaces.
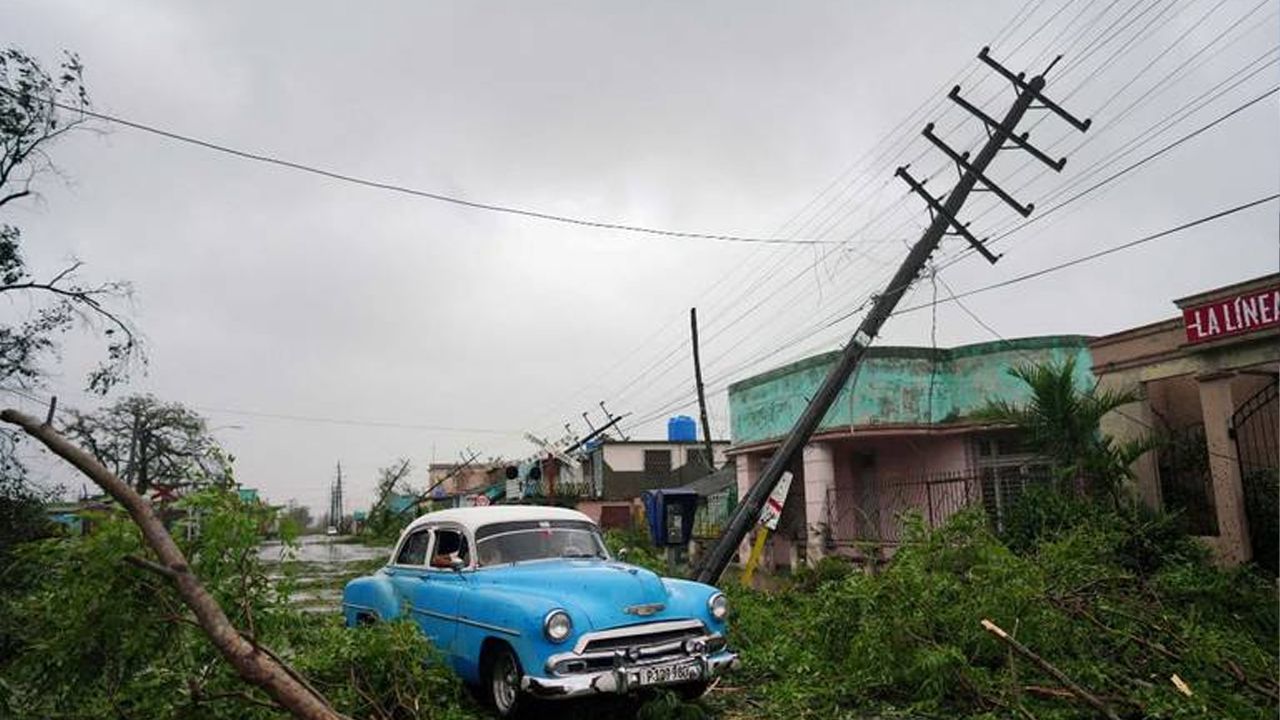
pixel 320 565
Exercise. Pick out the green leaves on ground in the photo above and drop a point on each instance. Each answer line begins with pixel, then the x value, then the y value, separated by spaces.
pixel 92 636
pixel 1085 596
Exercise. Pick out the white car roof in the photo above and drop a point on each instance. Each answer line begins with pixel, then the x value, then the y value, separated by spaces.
pixel 474 517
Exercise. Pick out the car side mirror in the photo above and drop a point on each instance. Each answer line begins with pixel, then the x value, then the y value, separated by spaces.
pixel 622 553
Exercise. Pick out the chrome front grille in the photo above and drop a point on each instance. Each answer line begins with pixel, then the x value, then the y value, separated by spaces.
pixel 641 640
pixel 634 644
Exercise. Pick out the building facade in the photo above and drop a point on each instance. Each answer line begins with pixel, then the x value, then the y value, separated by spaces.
pixel 902 436
pixel 1207 386
pixel 618 471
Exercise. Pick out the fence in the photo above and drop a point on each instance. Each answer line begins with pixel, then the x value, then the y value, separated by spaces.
pixel 876 511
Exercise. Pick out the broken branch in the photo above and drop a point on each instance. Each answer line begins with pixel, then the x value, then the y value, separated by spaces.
pixel 262 669
pixel 1057 674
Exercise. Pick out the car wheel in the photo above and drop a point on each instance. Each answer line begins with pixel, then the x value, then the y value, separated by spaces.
pixel 503 682
pixel 693 690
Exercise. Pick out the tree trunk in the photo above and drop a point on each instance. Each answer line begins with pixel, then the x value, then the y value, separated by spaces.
pixel 255 665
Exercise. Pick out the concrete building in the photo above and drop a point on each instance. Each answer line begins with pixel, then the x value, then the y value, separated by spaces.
pixel 1207 382
pixel 905 440
pixel 618 471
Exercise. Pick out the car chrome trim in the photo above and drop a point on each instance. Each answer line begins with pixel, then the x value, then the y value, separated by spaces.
pixel 637 630
pixel 617 680
pixel 642 653
pixel 644 610
pixel 465 621
pixel 546 624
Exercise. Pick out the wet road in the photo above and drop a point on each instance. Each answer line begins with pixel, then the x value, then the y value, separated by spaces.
pixel 319 565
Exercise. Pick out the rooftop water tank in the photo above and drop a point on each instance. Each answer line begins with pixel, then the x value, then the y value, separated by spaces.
pixel 682 428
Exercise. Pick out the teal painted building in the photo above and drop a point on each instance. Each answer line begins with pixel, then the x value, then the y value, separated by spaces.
pixel 902 435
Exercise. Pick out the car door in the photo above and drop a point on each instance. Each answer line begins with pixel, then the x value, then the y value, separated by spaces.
pixel 408 568
pixel 438 593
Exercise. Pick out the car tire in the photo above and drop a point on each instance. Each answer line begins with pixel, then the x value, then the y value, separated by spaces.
pixel 501 686
pixel 692 691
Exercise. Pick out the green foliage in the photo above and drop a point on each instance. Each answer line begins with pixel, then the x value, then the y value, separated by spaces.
pixel 908 639
pixel 96 637
pixel 1062 423
pixel 640 550
pixel 667 705
pixel 40 310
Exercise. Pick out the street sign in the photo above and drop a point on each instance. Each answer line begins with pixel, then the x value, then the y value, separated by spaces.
pixel 772 510
pixel 1236 315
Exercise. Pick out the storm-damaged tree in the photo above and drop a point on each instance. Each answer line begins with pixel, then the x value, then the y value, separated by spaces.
pixel 147 443
pixel 36 109
pixel 1063 423
pixel 383 521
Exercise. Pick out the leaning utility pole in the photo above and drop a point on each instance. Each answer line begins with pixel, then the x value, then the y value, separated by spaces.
pixel 944 222
pixel 702 397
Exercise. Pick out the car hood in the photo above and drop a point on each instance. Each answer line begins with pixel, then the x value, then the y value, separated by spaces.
pixel 603 590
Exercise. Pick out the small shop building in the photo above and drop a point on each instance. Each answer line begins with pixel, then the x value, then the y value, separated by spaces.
pixel 1207 386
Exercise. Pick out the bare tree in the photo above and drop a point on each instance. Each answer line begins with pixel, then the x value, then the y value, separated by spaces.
pixel 147 442
pixel 36 109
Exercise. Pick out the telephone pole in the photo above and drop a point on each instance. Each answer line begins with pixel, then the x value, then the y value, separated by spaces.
pixel 702 397
pixel 335 501
pixel 944 222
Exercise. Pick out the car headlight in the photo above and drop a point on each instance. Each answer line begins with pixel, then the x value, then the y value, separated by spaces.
pixel 718 605
pixel 557 626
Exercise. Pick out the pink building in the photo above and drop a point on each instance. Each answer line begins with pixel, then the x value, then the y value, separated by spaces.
pixel 906 441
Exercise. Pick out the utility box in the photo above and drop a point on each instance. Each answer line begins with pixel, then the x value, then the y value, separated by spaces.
pixel 669 514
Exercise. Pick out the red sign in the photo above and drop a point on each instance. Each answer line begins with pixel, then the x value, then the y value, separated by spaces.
pixel 1237 315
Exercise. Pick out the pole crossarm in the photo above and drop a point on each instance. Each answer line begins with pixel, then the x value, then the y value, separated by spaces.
pixel 936 209
pixel 1025 87
pixel 787 456
pixel 993 126
pixel 962 160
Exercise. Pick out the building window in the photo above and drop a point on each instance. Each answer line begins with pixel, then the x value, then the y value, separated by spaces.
pixel 657 463
pixel 1006 468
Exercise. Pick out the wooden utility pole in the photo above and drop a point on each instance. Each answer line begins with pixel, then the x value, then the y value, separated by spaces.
pixel 702 397
pixel 944 222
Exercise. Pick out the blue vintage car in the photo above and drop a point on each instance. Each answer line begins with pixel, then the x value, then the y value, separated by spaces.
pixel 526 601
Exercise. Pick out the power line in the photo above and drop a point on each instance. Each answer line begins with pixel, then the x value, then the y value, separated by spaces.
pixel 720 383
pixel 302 418
pixel 1119 173
pixel 405 190
pixel 1108 251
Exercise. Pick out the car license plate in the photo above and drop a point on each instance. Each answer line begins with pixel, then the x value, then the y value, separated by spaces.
pixel 667 674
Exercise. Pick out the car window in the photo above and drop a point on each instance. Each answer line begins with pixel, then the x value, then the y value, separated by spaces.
pixel 511 542
pixel 450 545
pixel 414 549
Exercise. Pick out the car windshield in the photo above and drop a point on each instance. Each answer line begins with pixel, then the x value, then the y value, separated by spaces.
pixel 511 542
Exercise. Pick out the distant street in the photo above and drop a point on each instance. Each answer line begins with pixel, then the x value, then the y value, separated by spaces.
pixel 322 565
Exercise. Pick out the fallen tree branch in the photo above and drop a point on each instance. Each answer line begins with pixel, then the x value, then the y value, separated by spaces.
pixel 260 668
pixel 153 567
pixel 1057 674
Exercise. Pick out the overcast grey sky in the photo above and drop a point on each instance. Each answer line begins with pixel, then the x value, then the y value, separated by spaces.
pixel 269 291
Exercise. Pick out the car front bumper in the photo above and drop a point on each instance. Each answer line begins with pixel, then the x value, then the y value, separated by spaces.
pixel 617 680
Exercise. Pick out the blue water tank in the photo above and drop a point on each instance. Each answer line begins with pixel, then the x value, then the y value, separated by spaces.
pixel 682 428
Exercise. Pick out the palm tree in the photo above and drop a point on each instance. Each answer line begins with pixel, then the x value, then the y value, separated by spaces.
pixel 1063 423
